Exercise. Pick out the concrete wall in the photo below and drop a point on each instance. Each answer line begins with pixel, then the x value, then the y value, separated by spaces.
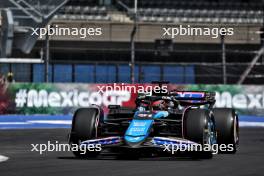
pixel 120 32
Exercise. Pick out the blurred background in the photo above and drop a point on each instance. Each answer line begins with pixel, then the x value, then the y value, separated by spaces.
pixel 44 80
pixel 121 55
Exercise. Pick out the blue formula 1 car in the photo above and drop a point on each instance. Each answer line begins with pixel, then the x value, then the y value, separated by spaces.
pixel 159 124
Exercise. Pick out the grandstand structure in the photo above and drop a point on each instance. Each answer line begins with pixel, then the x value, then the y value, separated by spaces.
pixel 107 58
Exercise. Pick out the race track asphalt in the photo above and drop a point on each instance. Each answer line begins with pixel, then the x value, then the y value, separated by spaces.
pixel 16 145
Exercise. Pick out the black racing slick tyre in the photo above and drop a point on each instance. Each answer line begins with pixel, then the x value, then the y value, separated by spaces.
pixel 227 128
pixel 199 127
pixel 84 127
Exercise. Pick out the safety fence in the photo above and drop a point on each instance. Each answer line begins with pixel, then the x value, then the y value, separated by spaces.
pixel 54 99
pixel 29 105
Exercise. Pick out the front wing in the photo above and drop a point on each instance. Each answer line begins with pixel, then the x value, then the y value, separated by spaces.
pixel 159 142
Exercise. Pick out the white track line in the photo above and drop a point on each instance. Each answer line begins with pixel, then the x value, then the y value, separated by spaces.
pixel 61 122
pixel 251 124
pixel 14 123
pixel 30 122
pixel 3 158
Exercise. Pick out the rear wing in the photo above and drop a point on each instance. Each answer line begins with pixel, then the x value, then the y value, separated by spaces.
pixel 194 97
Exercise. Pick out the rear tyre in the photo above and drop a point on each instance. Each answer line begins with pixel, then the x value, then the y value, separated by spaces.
pixel 199 127
pixel 227 128
pixel 84 127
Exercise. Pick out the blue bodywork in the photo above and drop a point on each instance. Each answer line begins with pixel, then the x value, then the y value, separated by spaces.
pixel 139 129
pixel 141 125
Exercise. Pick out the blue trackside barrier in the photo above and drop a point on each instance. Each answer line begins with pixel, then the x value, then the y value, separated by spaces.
pixel 64 121
pixel 251 121
pixel 35 121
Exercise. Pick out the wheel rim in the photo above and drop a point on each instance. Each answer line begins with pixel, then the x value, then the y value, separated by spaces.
pixel 206 137
pixel 235 130
pixel 209 133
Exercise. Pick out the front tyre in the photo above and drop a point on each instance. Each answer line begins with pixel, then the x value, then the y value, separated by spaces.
pixel 84 127
pixel 227 128
pixel 199 127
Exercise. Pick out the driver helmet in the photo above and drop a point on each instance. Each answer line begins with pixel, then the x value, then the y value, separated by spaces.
pixel 159 105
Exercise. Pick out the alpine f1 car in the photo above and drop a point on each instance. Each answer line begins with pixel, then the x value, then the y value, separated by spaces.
pixel 158 121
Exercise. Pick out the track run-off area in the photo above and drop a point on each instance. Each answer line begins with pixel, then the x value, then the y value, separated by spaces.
pixel 15 144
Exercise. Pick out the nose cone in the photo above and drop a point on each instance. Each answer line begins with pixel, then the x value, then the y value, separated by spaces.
pixel 134 141
pixel 137 132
